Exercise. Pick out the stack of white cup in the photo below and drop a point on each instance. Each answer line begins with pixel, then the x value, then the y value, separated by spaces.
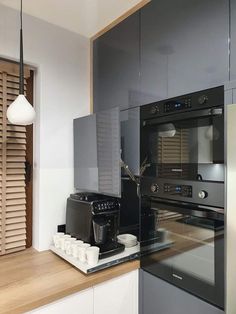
pixel 84 252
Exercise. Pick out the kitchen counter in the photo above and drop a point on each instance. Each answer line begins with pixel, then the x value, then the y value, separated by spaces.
pixel 30 279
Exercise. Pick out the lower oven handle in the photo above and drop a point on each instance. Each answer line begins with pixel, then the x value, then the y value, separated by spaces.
pixel 201 212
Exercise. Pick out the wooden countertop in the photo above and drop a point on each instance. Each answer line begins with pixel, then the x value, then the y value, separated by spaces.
pixel 30 279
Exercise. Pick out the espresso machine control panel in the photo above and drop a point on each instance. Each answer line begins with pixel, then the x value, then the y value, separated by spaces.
pixel 102 206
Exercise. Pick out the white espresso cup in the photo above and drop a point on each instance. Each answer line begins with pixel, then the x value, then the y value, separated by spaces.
pixel 56 239
pixel 68 245
pixel 92 255
pixel 163 234
pixel 82 252
pixel 74 247
pixel 62 241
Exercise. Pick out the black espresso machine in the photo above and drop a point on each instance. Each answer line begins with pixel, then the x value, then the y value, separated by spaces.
pixel 94 218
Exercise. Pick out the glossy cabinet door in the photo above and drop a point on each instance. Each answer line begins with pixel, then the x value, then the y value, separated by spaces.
pixel 117 296
pixel 158 296
pixel 184 46
pixel 97 153
pixel 232 40
pixel 130 139
pixel 116 66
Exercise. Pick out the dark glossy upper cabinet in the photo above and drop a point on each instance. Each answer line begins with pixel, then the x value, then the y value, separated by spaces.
pixel 97 153
pixel 184 46
pixel 116 66
pixel 233 40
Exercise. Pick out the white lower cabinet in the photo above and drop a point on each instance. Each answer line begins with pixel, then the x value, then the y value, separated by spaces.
pixel 117 296
pixel 78 303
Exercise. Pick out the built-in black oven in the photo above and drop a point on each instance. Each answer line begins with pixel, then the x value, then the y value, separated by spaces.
pixel 183 137
pixel 182 192
pixel 184 245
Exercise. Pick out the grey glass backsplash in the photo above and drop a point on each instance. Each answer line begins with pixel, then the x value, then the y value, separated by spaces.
pixel 97 153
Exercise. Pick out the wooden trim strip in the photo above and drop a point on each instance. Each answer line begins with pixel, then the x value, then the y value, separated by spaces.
pixel 121 18
pixel 91 76
pixel 4 164
pixel 12 68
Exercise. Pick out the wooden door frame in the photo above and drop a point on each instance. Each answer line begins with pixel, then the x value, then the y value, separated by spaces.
pixel 29 159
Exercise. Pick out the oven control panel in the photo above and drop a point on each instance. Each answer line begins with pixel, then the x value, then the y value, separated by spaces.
pixel 209 98
pixel 175 105
pixel 200 192
pixel 181 190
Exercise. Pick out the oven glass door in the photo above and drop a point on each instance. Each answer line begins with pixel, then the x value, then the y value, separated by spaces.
pixel 185 247
pixel 185 146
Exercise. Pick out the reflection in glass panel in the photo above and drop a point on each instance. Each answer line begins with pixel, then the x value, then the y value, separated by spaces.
pixel 182 242
pixel 192 244
pixel 185 149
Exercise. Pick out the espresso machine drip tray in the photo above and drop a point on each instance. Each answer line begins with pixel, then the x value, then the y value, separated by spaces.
pixel 109 249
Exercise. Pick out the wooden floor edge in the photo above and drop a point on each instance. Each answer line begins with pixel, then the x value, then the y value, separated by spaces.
pixel 120 18
pixel 128 267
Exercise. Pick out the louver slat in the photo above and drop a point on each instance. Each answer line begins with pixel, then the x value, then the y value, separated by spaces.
pixel 12 169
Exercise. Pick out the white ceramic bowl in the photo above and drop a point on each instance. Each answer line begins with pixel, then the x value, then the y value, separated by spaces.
pixel 127 239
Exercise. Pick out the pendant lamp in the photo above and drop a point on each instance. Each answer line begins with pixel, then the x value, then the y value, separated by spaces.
pixel 20 111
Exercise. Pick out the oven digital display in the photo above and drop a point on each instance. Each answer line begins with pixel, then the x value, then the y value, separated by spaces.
pixel 177 105
pixel 182 190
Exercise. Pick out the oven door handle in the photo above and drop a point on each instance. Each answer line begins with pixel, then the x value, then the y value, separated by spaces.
pixel 197 211
pixel 185 115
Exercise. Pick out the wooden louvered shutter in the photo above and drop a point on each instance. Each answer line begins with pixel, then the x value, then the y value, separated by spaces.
pixel 174 151
pixel 13 157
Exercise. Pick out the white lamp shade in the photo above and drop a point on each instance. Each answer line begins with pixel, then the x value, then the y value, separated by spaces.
pixel 21 112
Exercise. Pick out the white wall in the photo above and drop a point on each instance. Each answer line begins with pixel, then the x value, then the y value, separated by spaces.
pixel 85 17
pixel 61 94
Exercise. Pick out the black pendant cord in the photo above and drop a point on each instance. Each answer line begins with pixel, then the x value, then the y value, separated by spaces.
pixel 21 87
